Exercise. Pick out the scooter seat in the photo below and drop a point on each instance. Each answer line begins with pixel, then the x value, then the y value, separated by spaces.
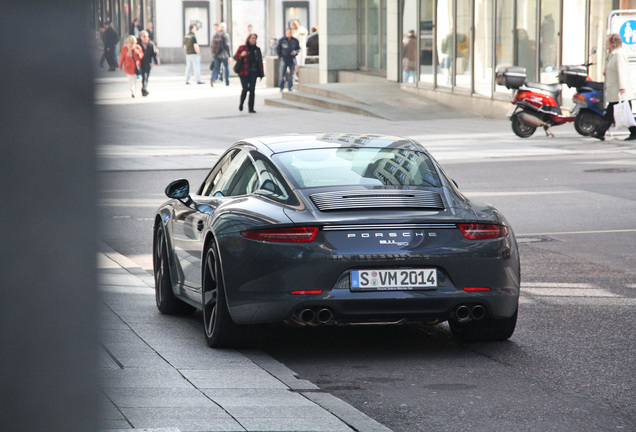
pixel 550 88
pixel 593 85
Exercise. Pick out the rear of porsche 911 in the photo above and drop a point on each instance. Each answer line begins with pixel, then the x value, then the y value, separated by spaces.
pixel 380 235
pixel 338 274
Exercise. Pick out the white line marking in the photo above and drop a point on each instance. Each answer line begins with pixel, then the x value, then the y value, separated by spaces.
pixel 628 230
pixel 569 292
pixel 555 285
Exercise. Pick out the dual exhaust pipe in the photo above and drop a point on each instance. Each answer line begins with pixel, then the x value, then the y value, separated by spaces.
pixel 465 313
pixel 312 316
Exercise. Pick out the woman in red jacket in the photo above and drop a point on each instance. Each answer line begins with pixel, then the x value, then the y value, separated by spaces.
pixel 131 55
pixel 251 67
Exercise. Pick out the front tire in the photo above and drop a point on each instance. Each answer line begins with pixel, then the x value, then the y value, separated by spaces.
pixel 586 122
pixel 484 330
pixel 166 301
pixel 520 129
pixel 220 330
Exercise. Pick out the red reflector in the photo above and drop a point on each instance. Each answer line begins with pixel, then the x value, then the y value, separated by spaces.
pixel 307 292
pixel 283 235
pixel 483 231
pixel 476 289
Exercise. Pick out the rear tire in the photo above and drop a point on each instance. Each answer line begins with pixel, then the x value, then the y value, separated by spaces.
pixel 484 330
pixel 586 122
pixel 166 301
pixel 220 330
pixel 520 129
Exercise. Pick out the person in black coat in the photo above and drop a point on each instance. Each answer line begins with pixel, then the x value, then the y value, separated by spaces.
pixel 150 55
pixel 250 61
pixel 111 39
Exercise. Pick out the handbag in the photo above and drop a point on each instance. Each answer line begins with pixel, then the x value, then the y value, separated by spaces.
pixel 237 66
pixel 623 116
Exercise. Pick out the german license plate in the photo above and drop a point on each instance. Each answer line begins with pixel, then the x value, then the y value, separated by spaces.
pixel 393 280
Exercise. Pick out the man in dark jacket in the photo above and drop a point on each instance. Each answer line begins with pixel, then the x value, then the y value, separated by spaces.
pixel 287 49
pixel 150 55
pixel 111 38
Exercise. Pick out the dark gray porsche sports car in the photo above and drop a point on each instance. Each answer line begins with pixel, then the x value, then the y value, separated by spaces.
pixel 334 229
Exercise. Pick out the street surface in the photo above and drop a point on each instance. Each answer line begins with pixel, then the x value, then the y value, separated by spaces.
pixel 571 201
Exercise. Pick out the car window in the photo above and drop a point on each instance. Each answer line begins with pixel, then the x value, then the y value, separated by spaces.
pixel 229 177
pixel 243 181
pixel 270 182
pixel 217 172
pixel 359 167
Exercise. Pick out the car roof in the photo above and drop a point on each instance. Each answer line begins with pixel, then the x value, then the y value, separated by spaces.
pixel 291 142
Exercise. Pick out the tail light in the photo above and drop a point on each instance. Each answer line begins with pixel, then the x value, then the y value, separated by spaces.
pixel 483 231
pixel 578 96
pixel 283 235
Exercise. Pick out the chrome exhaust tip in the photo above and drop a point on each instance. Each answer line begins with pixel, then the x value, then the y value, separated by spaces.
pixel 478 312
pixel 462 313
pixel 324 316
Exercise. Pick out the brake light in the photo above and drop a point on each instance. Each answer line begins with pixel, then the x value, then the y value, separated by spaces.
pixel 483 231
pixel 283 235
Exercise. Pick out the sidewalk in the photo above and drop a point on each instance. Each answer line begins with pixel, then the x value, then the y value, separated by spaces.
pixel 159 375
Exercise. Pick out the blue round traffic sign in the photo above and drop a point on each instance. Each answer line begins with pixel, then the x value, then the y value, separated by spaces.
pixel 628 32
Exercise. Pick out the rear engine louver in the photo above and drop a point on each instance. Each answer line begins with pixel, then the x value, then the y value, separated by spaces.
pixel 347 200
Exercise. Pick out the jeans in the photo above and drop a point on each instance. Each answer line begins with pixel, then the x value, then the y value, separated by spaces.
pixel 215 70
pixel 249 85
pixel 193 62
pixel 281 73
pixel 145 74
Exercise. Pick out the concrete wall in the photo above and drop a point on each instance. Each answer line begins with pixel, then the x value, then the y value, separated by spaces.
pixel 338 41
pixel 393 41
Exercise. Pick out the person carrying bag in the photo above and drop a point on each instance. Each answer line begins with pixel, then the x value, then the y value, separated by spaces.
pixel 618 90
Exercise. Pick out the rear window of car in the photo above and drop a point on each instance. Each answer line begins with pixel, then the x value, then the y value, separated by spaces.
pixel 358 166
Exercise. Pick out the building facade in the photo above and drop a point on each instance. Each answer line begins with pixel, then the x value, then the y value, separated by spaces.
pixel 447 50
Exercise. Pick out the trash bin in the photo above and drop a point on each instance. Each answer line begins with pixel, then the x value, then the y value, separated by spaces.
pixel 272 63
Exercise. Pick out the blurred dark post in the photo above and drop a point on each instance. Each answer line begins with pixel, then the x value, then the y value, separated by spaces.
pixel 48 320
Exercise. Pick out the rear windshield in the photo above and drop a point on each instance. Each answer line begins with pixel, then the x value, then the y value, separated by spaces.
pixel 358 166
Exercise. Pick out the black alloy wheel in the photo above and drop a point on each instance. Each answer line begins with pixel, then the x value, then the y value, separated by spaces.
pixel 520 129
pixel 587 122
pixel 166 301
pixel 484 330
pixel 220 330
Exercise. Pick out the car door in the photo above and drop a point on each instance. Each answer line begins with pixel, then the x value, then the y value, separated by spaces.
pixel 189 220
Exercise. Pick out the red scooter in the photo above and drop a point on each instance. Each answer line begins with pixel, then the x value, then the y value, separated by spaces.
pixel 534 104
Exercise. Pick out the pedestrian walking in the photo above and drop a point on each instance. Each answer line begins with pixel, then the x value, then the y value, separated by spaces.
pixel 409 59
pixel 251 60
pixel 131 56
pixel 618 86
pixel 287 49
pixel 151 31
pixel 300 33
pixel 193 58
pixel 149 55
pixel 135 28
pixel 220 47
pixel 111 38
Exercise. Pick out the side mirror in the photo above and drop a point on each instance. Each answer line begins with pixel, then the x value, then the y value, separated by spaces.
pixel 178 189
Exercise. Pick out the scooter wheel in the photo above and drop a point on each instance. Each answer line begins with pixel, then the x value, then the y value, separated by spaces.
pixel 586 122
pixel 520 129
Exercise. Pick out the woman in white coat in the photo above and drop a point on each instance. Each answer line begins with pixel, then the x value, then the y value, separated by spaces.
pixel 618 84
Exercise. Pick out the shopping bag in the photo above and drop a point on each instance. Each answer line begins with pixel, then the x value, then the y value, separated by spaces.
pixel 623 117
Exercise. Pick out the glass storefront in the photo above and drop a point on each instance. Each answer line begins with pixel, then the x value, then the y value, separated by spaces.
pixel 372 35
pixel 462 43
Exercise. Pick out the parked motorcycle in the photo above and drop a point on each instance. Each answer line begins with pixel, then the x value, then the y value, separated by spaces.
pixel 588 100
pixel 534 104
